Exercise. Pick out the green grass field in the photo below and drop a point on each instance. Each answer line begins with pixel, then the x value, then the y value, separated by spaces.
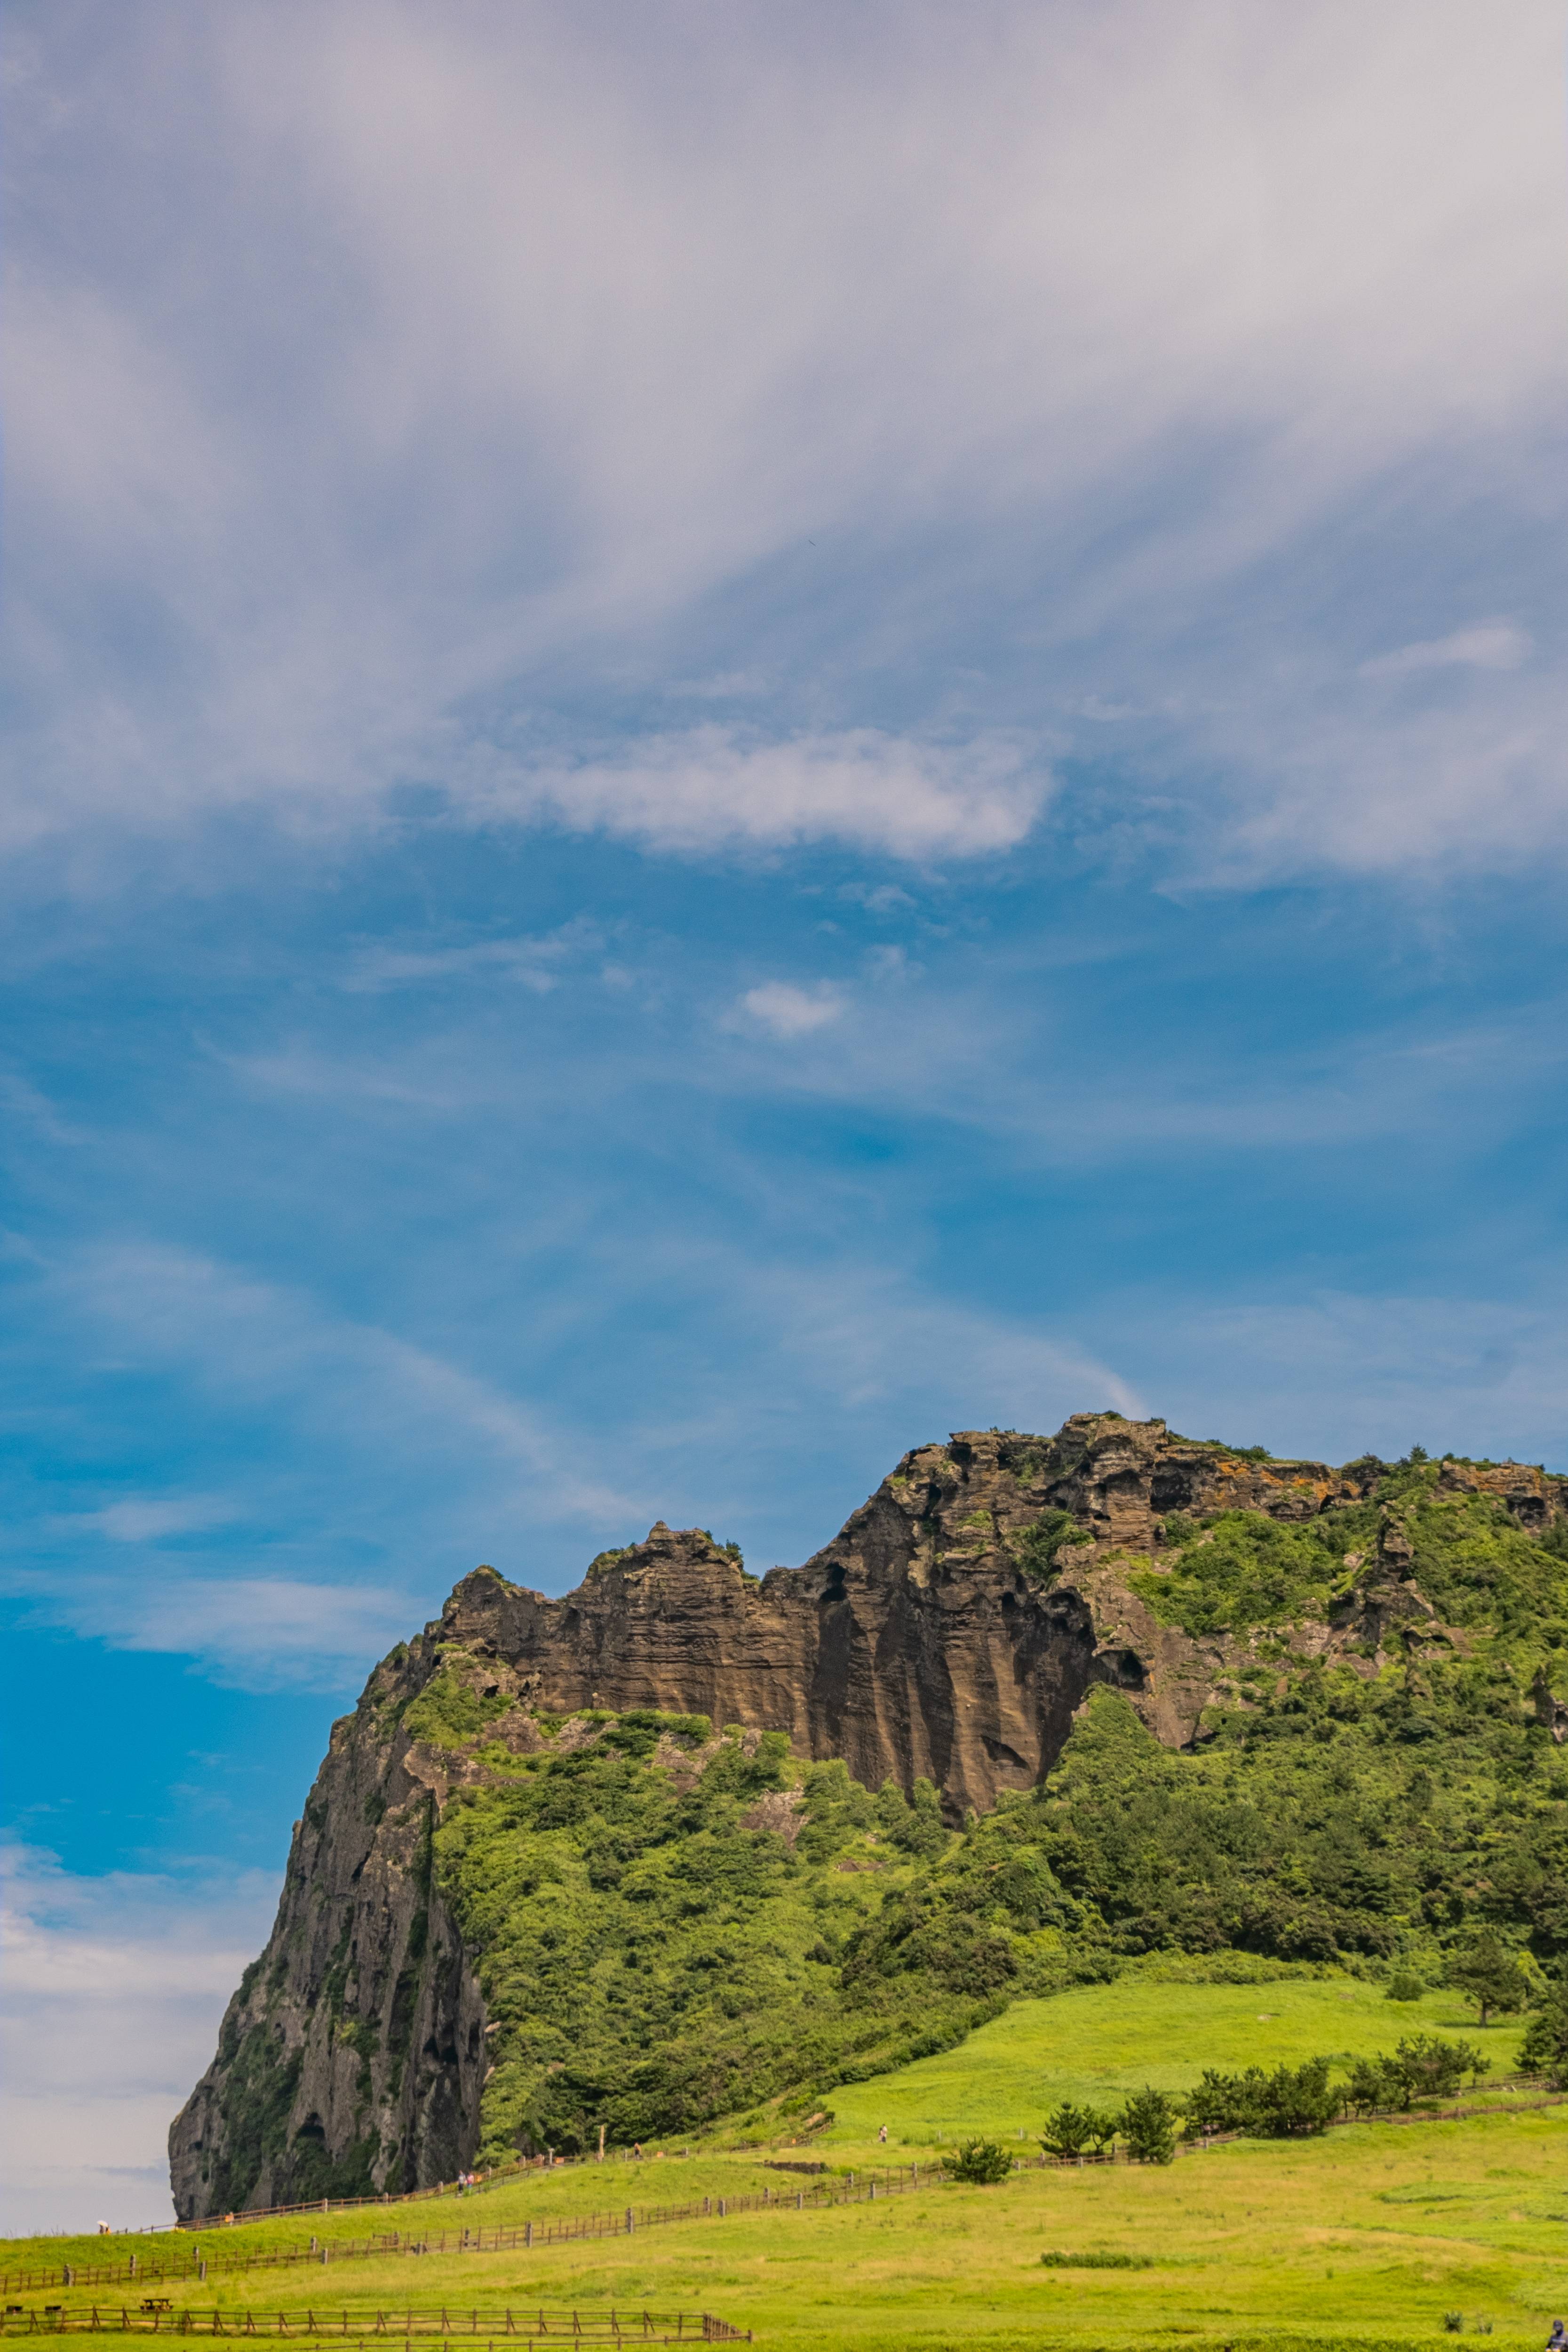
pixel 1371 2233
pixel 1099 2043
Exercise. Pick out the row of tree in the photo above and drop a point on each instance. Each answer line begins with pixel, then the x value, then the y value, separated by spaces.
pixel 1291 2099
pixel 1145 2123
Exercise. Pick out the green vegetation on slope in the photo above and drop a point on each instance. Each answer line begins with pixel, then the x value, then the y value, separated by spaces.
pixel 1236 1571
pixel 668 1927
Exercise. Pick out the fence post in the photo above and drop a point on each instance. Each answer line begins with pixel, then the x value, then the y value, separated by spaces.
pixel 631 2224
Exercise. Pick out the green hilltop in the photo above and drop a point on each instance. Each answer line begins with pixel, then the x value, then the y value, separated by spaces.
pixel 670 1925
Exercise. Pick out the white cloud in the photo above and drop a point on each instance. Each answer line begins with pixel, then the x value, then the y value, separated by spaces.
pixel 712 788
pixel 508 348
pixel 1441 790
pixel 259 1632
pixel 790 1011
pixel 877 898
pixel 1492 645
pixel 533 962
pixel 145 1518
pixel 111 1994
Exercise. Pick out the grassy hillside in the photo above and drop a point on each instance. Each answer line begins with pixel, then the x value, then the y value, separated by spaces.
pixel 1097 2046
pixel 1371 2233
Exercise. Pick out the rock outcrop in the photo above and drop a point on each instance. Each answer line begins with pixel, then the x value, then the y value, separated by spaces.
pixel 924 1639
pixel 950 1631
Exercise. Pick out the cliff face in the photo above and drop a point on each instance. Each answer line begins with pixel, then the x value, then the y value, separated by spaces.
pixel 351 2057
pixel 923 1640
pixel 951 1631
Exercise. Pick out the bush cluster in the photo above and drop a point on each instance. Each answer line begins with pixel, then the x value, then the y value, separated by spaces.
pixel 1266 2106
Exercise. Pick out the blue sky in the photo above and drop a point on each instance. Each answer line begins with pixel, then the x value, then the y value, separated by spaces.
pixel 732 739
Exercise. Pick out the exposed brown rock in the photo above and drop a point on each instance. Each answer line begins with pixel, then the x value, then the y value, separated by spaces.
pixel 917 1641
pixel 362 2017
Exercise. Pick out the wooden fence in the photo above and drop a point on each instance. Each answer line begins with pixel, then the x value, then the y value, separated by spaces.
pixel 510 2324
pixel 170 2266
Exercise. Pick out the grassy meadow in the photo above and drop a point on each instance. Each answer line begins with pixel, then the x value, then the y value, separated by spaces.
pixel 1374 2232
pixel 1097 2045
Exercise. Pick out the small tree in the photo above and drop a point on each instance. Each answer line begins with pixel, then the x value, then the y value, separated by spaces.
pixel 1149 2126
pixel 1070 2130
pixel 1430 2067
pixel 1300 2099
pixel 1405 1986
pixel 1227 2103
pixel 1374 2083
pixel 1545 2049
pixel 981 2162
pixel 1487 1973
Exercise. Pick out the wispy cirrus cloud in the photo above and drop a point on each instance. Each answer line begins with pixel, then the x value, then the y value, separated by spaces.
pixel 1489 644
pixel 371 1420
pixel 535 963
pixel 1020 379
pixel 146 1518
pixel 1338 1372
pixel 252 1632
pixel 267 1341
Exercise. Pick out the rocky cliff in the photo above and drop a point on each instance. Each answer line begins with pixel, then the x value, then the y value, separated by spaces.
pixel 951 1633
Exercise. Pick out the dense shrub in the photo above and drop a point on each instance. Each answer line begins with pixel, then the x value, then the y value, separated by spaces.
pixel 1423 2066
pixel 980 2162
pixel 1071 2130
pixel 1291 2099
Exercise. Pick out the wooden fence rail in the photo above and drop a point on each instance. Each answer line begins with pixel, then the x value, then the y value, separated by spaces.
pixel 532 2322
pixel 824 2191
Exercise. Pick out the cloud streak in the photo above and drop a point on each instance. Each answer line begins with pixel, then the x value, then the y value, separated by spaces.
pixel 713 789
pixel 1490 645
pixel 254 1632
pixel 958 383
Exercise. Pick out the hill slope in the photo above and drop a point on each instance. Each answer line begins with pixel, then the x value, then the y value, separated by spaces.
pixel 1205 1701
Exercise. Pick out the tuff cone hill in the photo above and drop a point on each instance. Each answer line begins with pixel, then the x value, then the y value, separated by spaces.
pixel 689 1841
